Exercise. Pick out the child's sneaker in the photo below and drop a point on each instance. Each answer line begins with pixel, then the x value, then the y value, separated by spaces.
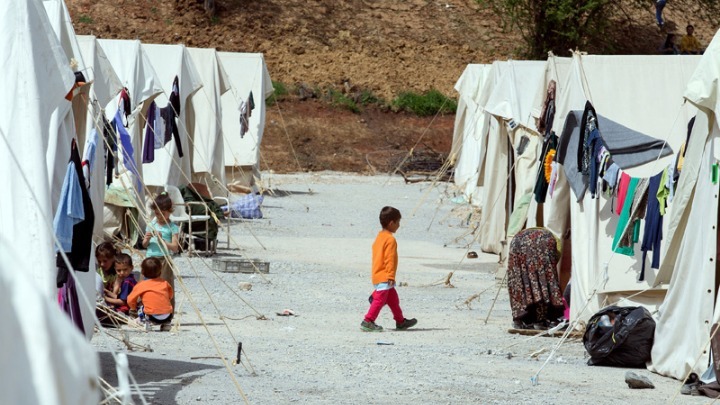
pixel 406 324
pixel 370 327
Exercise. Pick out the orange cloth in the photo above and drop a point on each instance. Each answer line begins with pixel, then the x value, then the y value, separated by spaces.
pixel 155 294
pixel 384 257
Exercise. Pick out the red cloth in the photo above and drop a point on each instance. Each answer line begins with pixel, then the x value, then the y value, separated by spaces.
pixel 622 192
pixel 380 298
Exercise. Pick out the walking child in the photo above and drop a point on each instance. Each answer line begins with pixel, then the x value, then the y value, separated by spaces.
pixel 384 267
pixel 154 293
pixel 124 284
pixel 161 237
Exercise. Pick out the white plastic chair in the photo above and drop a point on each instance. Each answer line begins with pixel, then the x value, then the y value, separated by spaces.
pixel 180 215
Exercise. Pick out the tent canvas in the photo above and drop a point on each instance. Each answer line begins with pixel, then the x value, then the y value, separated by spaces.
pixel 689 268
pixel 248 73
pixel 170 61
pixel 46 352
pixel 469 123
pixel 636 102
pixel 205 119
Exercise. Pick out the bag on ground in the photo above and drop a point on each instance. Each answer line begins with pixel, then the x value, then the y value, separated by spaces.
pixel 620 337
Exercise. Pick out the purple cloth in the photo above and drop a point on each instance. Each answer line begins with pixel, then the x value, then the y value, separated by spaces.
pixel 68 299
pixel 149 144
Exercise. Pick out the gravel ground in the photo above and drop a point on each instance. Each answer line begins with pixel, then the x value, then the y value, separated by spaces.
pixel 316 235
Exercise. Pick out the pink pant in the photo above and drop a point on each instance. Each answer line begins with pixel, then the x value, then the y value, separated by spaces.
pixel 380 298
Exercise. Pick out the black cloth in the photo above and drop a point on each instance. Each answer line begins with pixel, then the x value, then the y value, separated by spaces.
pixel 541 183
pixel 81 249
pixel 169 113
pixel 110 145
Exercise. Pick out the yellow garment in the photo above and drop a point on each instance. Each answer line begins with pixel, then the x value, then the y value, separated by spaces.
pixel 681 159
pixel 689 44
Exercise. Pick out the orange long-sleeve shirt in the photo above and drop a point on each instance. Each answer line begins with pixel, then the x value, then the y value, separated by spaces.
pixel 155 294
pixel 384 257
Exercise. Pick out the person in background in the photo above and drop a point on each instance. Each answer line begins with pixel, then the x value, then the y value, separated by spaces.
pixel 689 44
pixel 384 267
pixel 659 6
pixel 669 47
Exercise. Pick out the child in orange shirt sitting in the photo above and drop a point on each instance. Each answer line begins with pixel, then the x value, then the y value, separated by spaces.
pixel 155 295
pixel 384 267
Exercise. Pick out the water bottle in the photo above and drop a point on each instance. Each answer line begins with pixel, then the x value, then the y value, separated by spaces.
pixel 604 322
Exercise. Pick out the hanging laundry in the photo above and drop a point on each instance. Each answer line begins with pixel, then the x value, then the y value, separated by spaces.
pixel 631 234
pixel 652 234
pixel 553 178
pixel 110 145
pixel 75 199
pixel 588 135
pixel 244 122
pixel 167 125
pixel 148 155
pixel 624 221
pixel 543 175
pixel 128 152
pixel 547 115
pixel 88 161
pixel 623 187
pixel 251 103
pixel 69 303
pixel 663 192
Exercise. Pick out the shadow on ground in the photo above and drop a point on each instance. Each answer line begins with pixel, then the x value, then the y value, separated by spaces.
pixel 159 379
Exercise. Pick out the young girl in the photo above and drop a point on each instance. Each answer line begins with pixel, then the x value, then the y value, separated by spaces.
pixel 161 237
pixel 155 294
pixel 106 275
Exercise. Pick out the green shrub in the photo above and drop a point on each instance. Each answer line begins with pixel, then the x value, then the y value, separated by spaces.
pixel 279 91
pixel 85 19
pixel 338 99
pixel 367 97
pixel 429 103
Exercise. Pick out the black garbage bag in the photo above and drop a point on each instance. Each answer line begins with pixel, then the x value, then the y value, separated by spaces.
pixel 625 341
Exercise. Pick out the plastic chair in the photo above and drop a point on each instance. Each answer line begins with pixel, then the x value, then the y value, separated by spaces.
pixel 180 214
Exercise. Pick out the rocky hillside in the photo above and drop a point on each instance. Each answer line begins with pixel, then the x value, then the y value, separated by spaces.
pixel 381 46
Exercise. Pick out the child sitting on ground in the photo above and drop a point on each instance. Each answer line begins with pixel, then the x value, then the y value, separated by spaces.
pixel 124 284
pixel 384 267
pixel 155 295
pixel 105 280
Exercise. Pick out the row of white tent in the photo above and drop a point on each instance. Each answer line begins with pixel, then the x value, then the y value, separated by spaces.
pixel 41 111
pixel 657 96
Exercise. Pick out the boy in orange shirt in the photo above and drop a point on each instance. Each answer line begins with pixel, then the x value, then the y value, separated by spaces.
pixel 384 267
pixel 155 294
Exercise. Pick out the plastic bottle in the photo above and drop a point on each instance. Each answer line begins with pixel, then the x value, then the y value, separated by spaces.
pixel 604 322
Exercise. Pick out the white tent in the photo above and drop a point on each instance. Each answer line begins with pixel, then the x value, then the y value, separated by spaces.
pixel 645 96
pixel 469 123
pixel 248 73
pixel 205 120
pixel 509 104
pixel 170 61
pixel 690 265
pixel 50 361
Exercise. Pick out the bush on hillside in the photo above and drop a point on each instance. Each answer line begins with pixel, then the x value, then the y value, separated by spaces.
pixel 429 103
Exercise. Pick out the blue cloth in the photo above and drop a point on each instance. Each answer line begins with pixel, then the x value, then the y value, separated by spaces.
pixel 659 6
pixel 155 248
pixel 247 206
pixel 149 143
pixel 70 210
pixel 127 148
pixel 653 226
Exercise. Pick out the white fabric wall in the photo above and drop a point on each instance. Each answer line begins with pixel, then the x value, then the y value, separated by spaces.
pixel 636 101
pixel 169 61
pixel 470 125
pixel 247 72
pixel 205 115
pixel 50 361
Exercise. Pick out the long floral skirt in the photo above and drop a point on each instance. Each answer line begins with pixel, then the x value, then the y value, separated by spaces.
pixel 533 285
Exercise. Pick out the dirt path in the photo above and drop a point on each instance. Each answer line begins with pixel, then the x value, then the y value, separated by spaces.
pixel 316 234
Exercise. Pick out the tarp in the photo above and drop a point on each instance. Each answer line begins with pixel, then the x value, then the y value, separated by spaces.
pixel 47 360
pixel 170 61
pixel 205 116
pixel 248 73
pixel 690 265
